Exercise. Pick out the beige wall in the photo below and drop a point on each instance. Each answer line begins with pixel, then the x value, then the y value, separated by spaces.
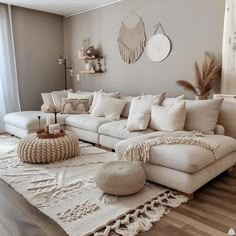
pixel 38 40
pixel 192 25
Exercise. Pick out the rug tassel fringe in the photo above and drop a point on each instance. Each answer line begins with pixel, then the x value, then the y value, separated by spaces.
pixel 142 219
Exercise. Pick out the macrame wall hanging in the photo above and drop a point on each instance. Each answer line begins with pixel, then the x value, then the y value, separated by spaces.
pixel 132 41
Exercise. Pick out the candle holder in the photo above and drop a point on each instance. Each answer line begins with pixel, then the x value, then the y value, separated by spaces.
pixel 39 118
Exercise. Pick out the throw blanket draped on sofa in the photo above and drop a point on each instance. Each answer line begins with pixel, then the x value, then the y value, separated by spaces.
pixel 140 151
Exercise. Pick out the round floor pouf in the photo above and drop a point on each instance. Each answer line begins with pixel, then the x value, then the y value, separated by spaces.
pixel 120 178
pixel 35 150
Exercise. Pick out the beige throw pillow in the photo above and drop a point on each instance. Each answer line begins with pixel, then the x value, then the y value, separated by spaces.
pixel 170 101
pixel 140 111
pixel 57 98
pixel 74 106
pixel 96 95
pixel 47 99
pixel 108 107
pixel 48 108
pixel 170 119
pixel 202 115
pixel 81 96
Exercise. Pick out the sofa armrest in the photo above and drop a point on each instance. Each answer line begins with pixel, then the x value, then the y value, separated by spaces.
pixel 220 130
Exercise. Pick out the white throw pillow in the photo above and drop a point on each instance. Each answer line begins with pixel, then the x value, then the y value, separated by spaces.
pixel 153 98
pixel 109 107
pixel 57 98
pixel 128 100
pixel 140 111
pixel 47 99
pixel 202 115
pixel 170 119
pixel 81 96
pixel 95 98
pixel 170 101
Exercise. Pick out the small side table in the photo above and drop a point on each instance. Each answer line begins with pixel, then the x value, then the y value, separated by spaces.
pixel 36 150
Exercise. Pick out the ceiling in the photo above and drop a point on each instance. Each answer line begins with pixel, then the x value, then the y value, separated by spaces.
pixel 61 7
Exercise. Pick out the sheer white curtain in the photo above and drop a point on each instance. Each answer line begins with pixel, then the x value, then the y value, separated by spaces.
pixel 9 96
pixel 228 81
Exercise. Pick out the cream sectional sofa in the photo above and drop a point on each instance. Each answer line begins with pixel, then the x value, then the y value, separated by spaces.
pixel 181 167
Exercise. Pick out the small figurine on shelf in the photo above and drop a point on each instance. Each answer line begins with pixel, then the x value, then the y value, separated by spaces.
pixel 99 66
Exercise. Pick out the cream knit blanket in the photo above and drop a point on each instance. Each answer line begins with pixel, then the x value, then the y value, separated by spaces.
pixel 140 151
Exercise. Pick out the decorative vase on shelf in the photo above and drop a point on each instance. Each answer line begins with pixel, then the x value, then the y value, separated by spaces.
pixel 201 97
pixel 88 66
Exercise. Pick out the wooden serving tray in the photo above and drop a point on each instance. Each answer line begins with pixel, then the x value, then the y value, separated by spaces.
pixel 41 134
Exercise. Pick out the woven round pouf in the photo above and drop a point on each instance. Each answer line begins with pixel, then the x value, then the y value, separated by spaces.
pixel 120 178
pixel 35 150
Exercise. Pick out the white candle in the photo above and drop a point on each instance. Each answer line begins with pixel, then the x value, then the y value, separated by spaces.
pixel 48 120
pixel 53 129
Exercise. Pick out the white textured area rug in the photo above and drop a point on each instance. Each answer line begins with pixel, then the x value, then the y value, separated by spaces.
pixel 66 192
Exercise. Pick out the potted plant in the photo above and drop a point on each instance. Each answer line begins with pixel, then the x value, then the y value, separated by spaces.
pixel 205 77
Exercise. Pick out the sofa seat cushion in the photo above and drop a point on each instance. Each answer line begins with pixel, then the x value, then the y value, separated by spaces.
pixel 118 130
pixel 182 157
pixel 87 122
pixel 29 119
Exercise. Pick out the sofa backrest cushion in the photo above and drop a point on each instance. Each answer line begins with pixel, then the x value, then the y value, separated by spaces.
pixel 168 101
pixel 170 119
pixel 128 100
pixel 96 95
pixel 108 107
pixel 57 98
pixel 202 115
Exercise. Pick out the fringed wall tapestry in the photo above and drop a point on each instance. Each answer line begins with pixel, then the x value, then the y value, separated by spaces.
pixel 132 42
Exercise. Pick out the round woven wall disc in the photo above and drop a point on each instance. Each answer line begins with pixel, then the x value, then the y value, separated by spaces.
pixel 158 47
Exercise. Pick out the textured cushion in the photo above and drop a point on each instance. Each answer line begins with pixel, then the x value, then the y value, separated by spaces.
pixel 87 122
pixel 120 178
pixel 182 157
pixel 95 98
pixel 81 96
pixel 48 108
pixel 202 115
pixel 170 101
pixel 128 100
pixel 108 107
pixel 29 119
pixel 118 130
pixel 57 98
pixel 171 118
pixel 74 106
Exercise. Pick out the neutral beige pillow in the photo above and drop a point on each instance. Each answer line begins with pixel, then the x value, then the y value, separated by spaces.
pixel 153 98
pixel 57 98
pixel 202 115
pixel 128 100
pixel 89 94
pixel 108 107
pixel 140 111
pixel 95 98
pixel 47 98
pixel 170 101
pixel 170 119
pixel 80 96
pixel 74 106
pixel 48 108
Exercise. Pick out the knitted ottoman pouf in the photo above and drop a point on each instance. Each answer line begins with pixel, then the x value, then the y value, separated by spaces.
pixel 120 178
pixel 35 150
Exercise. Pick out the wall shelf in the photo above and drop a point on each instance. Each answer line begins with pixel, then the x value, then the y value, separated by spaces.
pixel 90 72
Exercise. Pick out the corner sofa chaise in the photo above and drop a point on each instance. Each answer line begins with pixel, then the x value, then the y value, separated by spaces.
pixel 179 166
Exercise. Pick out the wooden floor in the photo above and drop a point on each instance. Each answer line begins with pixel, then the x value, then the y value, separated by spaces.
pixel 211 212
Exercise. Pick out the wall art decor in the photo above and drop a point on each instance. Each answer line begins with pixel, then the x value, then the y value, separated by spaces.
pixel 132 41
pixel 158 46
